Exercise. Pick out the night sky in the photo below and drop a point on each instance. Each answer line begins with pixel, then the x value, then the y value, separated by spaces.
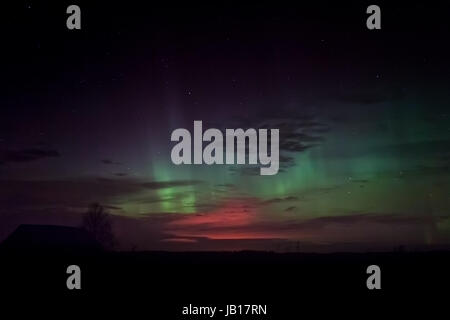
pixel 86 116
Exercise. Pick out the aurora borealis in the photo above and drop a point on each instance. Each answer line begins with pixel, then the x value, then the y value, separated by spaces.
pixel 363 117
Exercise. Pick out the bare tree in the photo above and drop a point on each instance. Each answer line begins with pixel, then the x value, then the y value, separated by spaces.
pixel 97 221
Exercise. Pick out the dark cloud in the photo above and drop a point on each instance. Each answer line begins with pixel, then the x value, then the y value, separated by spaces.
pixel 170 184
pixel 298 137
pixel 314 224
pixel 293 146
pixel 303 137
pixel 226 185
pixel 225 188
pixel 137 184
pixel 278 200
pixel 365 218
pixel 320 130
pixel 112 207
pixel 317 192
pixel 433 169
pixel 297 133
pixel 154 199
pixel 121 174
pixel 432 148
pixel 73 194
pixel 286 161
pixel 28 155
pixel 108 161
pixel 246 170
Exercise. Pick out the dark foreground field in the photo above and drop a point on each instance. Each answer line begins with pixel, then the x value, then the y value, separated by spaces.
pixel 161 283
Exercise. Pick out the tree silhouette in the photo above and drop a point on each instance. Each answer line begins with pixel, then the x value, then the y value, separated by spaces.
pixel 97 221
